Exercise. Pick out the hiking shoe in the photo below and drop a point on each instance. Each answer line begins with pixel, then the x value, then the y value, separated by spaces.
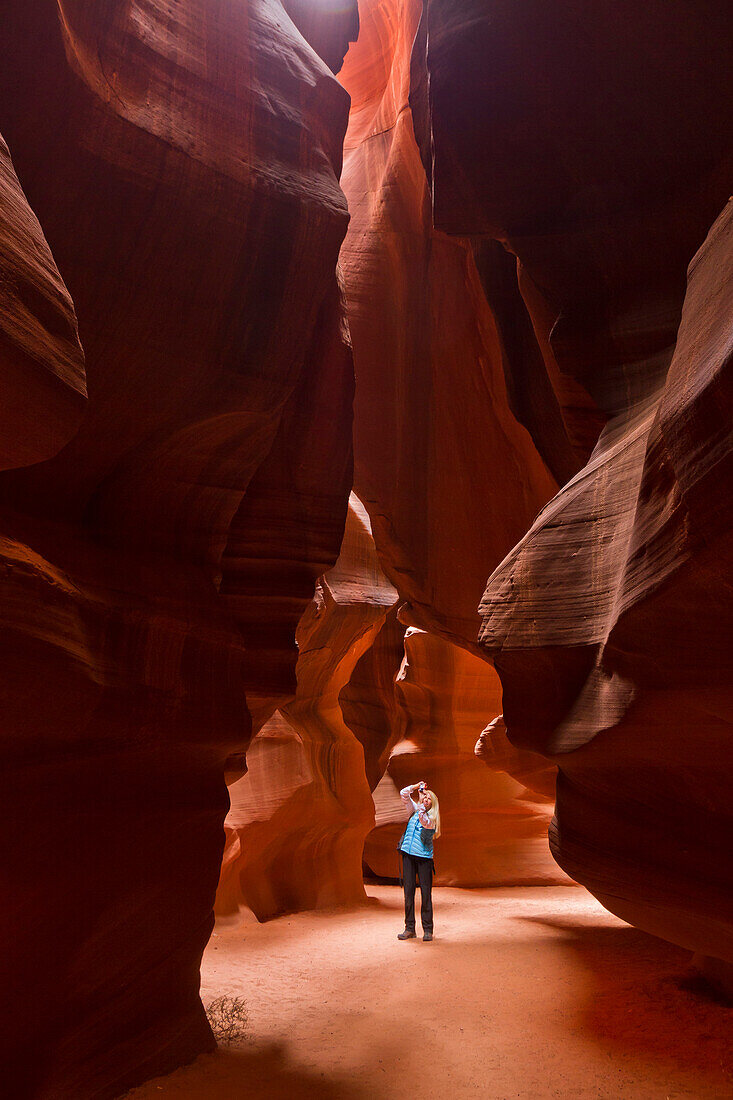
pixel 427 937
pixel 406 935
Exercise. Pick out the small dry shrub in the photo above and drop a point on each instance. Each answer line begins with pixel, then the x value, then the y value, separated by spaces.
pixel 228 1017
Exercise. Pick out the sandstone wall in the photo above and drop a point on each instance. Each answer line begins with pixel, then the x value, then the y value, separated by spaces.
pixel 41 359
pixel 527 186
pixel 448 476
pixel 298 818
pixel 596 146
pixel 181 161
pixel 640 727
pixel 443 462
pixel 494 829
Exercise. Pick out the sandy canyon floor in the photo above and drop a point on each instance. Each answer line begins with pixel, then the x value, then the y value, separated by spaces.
pixel 524 993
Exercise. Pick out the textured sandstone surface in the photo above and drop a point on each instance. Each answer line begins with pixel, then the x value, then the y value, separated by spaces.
pixel 369 700
pixel 498 753
pixel 298 818
pixel 433 433
pixel 610 622
pixel 648 673
pixel 527 186
pixel 443 462
pixel 41 360
pixel 638 713
pixel 494 829
pixel 182 163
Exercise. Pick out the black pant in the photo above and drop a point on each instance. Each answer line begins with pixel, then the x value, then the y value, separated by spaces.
pixel 414 868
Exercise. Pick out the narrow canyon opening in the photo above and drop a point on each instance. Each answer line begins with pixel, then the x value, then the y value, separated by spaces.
pixel 367 404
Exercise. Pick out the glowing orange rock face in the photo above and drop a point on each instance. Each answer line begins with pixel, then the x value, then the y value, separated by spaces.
pixel 494 828
pixel 298 818
pixel 448 475
pixel 433 431
pixel 182 161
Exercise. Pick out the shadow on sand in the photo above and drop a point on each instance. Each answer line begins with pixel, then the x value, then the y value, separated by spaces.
pixel 257 1073
pixel 643 998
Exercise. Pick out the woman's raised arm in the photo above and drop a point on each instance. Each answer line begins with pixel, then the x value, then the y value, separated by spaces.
pixel 406 792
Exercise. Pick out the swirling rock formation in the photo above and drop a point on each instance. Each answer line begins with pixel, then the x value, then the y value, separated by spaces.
pixel 299 816
pixel 639 720
pixel 528 183
pixel 433 431
pixel 494 829
pixel 369 701
pixel 41 360
pixel 498 753
pixel 448 473
pixel 596 146
pixel 182 161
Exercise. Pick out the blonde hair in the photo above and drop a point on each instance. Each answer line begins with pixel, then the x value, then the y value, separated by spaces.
pixel 434 812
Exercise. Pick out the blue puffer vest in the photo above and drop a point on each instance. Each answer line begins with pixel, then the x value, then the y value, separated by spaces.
pixel 416 840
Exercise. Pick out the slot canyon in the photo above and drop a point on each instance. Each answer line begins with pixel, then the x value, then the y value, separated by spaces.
pixel 367 376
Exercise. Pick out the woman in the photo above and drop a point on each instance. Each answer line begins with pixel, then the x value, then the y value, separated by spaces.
pixel 416 850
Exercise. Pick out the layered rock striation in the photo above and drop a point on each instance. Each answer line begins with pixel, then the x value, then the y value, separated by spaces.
pixel 638 719
pixel 444 463
pixel 527 187
pixel 494 828
pixel 449 477
pixel 298 818
pixel 596 147
pixel 41 359
pixel 181 160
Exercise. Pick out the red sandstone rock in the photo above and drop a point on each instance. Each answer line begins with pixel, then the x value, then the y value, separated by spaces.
pixel 299 816
pixel 596 146
pixel 644 621
pixel 494 830
pixel 531 769
pixel 433 430
pixel 155 569
pixel 182 161
pixel 447 473
pixel 287 529
pixel 369 702
pixel 41 360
